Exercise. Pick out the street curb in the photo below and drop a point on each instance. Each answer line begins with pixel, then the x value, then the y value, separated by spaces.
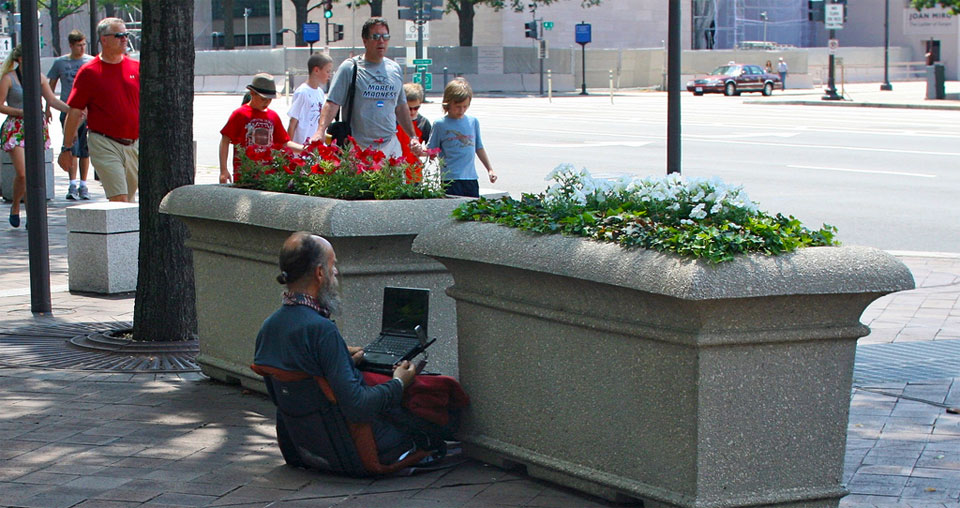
pixel 922 254
pixel 850 104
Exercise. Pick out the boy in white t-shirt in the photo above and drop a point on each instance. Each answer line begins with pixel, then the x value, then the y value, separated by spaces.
pixel 304 112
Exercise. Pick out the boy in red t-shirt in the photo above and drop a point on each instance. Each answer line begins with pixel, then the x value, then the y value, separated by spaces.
pixel 253 125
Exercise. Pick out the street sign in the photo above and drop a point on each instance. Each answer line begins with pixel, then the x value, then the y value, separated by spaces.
pixel 422 61
pixel 548 25
pixel 583 33
pixel 834 44
pixel 421 68
pixel 311 32
pixel 410 30
pixel 6 44
pixel 833 18
pixel 427 82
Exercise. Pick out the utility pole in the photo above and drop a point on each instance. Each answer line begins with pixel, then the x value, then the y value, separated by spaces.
pixel 673 88
pixel 246 31
pixel 36 176
pixel 886 86
pixel 273 31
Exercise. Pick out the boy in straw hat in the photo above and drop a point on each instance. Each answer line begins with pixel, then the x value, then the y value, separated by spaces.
pixel 253 125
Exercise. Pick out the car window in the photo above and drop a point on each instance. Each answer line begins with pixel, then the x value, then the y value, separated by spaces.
pixel 753 69
pixel 725 70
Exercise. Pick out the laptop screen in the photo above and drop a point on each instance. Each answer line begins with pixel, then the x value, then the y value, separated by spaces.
pixel 404 309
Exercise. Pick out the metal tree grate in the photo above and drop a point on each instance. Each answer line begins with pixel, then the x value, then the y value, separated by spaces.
pixel 94 347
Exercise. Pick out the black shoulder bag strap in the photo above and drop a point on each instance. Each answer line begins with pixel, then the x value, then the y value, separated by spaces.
pixel 350 95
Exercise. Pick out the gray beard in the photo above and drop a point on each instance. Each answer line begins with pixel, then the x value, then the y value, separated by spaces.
pixel 329 298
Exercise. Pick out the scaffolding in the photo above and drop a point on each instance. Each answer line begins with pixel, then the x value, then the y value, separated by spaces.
pixel 730 24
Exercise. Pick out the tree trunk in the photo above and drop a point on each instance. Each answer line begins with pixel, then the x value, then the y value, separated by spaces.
pixel 300 7
pixel 466 12
pixel 109 10
pixel 55 27
pixel 165 306
pixel 376 8
pixel 228 24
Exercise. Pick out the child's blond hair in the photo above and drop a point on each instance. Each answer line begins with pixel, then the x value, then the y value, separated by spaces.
pixel 457 90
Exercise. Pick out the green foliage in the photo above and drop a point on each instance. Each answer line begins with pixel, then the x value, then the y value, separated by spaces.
pixel 953 5
pixel 64 7
pixel 698 219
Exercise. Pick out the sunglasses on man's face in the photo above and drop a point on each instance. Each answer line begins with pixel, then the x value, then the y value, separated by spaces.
pixel 377 37
pixel 120 35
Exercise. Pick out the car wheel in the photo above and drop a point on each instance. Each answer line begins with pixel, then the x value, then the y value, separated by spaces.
pixel 730 89
pixel 768 89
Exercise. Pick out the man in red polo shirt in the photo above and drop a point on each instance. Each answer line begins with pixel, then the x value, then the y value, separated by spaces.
pixel 108 88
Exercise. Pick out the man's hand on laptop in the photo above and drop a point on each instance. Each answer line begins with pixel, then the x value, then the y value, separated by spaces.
pixel 405 372
pixel 356 352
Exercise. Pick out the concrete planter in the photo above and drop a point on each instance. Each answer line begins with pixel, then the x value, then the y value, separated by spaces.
pixel 632 373
pixel 236 235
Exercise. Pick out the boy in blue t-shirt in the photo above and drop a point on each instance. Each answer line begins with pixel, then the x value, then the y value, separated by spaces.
pixel 458 138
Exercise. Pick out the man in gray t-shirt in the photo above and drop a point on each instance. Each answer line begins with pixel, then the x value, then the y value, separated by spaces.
pixel 64 69
pixel 379 102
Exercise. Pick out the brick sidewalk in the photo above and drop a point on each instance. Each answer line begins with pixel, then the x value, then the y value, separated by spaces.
pixel 73 438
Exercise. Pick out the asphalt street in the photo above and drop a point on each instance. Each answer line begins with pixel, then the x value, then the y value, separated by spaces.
pixel 886 178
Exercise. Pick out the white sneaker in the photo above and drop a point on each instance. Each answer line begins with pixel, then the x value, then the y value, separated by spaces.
pixel 72 193
pixel 84 192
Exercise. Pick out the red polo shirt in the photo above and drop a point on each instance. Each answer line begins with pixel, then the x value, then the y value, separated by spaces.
pixel 111 95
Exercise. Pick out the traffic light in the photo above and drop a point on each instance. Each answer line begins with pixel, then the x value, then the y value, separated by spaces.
pixel 815 10
pixel 328 9
pixel 7 6
pixel 337 32
pixel 531 29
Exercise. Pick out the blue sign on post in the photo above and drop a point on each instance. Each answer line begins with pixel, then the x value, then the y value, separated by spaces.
pixel 583 33
pixel 311 32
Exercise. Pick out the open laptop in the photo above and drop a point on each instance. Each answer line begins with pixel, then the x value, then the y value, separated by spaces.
pixel 403 329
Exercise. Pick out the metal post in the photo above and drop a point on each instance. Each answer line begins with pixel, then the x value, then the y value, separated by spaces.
pixel 831 94
pixel 273 31
pixel 673 88
pixel 886 86
pixel 445 78
pixel 583 68
pixel 763 16
pixel 611 85
pixel 540 57
pixel 549 85
pixel 33 152
pixel 246 32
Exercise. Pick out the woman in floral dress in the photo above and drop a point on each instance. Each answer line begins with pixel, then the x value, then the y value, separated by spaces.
pixel 11 132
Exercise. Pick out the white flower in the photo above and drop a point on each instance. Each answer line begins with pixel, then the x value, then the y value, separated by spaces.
pixel 559 170
pixel 698 212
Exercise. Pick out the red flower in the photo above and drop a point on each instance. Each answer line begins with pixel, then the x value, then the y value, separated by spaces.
pixel 315 169
pixel 414 174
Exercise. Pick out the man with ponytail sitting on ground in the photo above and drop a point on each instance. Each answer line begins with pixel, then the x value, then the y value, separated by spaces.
pixel 300 337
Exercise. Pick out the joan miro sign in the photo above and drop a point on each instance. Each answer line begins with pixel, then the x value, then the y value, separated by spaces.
pixel 929 21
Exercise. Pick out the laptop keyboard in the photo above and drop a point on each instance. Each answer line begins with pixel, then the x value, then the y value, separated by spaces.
pixel 390 345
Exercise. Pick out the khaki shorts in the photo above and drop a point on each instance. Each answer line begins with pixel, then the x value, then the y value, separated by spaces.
pixel 116 164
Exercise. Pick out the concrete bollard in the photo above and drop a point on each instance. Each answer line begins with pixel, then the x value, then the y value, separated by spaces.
pixel 103 243
pixel 7 174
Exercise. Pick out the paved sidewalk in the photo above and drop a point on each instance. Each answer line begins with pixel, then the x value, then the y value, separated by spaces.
pixel 905 94
pixel 79 439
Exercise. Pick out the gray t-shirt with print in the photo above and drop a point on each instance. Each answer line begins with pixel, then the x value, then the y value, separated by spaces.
pixel 65 69
pixel 379 91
